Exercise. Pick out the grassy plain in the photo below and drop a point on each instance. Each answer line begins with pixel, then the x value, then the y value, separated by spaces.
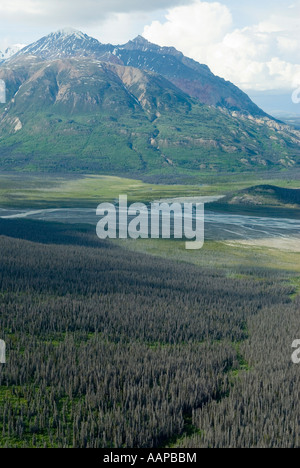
pixel 54 191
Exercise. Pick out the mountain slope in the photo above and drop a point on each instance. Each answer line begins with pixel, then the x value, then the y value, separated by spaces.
pixel 194 79
pixel 261 200
pixel 191 77
pixel 69 43
pixel 265 195
pixel 86 115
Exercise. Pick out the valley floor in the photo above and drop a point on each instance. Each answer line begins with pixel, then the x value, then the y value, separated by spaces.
pixel 142 343
pixel 26 190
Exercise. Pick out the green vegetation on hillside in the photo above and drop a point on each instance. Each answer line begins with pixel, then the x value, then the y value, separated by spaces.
pixel 262 200
pixel 265 195
pixel 85 116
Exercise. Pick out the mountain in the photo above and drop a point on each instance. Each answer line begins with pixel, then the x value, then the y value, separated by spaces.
pixel 10 51
pixel 69 43
pixel 194 79
pixel 64 43
pixel 191 77
pixel 74 104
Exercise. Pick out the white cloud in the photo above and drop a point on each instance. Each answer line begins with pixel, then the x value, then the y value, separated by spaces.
pixel 261 56
pixel 199 25
pixel 120 27
pixel 108 20
pixel 87 12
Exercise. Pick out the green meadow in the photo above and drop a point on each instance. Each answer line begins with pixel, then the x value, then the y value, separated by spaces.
pixel 55 191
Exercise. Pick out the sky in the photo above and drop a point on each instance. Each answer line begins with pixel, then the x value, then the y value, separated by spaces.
pixel 253 43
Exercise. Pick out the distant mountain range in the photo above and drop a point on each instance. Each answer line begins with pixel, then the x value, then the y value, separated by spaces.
pixel 74 104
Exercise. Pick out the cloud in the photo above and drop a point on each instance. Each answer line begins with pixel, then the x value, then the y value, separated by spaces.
pixel 118 28
pixel 241 41
pixel 107 20
pixel 196 25
pixel 85 12
pixel 262 56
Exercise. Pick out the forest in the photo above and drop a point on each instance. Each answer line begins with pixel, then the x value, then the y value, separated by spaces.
pixel 109 348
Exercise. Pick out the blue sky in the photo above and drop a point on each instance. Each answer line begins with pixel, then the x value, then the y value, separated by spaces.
pixel 254 43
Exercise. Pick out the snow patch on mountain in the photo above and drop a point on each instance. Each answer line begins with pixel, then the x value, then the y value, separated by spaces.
pixel 10 51
pixel 67 42
pixel 69 32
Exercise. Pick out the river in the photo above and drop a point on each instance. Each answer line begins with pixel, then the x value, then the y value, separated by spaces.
pixel 218 226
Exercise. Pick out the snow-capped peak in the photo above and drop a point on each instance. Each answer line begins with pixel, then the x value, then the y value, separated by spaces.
pixel 70 32
pixel 10 51
pixel 64 43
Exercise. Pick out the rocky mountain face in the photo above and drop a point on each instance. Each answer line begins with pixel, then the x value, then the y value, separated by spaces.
pixel 75 104
pixel 194 79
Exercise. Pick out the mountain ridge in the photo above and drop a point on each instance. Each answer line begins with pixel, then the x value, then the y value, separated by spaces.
pixel 193 78
pixel 69 110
